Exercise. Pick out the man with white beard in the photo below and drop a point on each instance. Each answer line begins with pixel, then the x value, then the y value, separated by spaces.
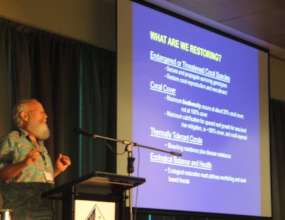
pixel 24 161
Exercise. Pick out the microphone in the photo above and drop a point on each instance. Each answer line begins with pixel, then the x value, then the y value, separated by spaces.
pixel 97 136
pixel 83 132
pixel 178 154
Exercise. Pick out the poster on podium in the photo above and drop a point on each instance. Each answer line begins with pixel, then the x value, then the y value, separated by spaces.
pixel 94 210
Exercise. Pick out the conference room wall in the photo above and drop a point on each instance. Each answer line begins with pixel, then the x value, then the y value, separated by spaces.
pixel 94 22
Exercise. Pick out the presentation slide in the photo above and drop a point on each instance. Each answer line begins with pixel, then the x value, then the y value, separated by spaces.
pixel 199 93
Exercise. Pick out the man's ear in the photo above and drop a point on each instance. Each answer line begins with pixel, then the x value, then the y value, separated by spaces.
pixel 24 116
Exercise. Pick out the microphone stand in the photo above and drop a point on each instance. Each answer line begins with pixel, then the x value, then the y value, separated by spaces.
pixel 131 160
pixel 129 149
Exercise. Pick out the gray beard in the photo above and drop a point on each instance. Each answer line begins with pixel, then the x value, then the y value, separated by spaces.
pixel 40 131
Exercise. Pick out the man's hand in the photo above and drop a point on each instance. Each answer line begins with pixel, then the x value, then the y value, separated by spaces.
pixel 32 156
pixel 13 170
pixel 61 164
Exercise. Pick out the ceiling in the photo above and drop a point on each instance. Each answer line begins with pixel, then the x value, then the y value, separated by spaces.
pixel 262 19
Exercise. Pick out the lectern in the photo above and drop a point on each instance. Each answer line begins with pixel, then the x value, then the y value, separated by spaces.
pixel 99 186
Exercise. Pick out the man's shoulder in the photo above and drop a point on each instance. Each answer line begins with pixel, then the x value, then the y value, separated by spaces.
pixel 15 134
pixel 12 135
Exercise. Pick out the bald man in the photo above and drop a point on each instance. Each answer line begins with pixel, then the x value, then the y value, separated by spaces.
pixel 25 162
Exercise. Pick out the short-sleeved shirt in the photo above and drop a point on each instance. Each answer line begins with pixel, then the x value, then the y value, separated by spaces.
pixel 23 193
pixel 15 147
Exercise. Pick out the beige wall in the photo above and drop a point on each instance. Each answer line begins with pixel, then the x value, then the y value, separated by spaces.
pixel 94 22
pixel 91 21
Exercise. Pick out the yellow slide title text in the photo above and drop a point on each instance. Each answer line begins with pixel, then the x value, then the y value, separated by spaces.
pixel 185 46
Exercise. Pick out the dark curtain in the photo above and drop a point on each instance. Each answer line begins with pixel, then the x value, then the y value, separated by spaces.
pixel 277 124
pixel 74 81
pixel 5 79
pixel 97 107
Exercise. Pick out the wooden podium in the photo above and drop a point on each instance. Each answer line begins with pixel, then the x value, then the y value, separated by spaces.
pixel 99 186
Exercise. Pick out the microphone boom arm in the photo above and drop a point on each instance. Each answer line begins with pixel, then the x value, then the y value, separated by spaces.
pixel 128 142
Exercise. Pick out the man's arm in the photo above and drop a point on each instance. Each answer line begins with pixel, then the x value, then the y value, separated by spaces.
pixel 61 164
pixel 13 170
pixel 10 171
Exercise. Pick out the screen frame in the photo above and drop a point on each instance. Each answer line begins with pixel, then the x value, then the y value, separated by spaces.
pixel 159 8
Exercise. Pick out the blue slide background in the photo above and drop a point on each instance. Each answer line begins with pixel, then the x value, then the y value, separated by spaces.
pixel 240 62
